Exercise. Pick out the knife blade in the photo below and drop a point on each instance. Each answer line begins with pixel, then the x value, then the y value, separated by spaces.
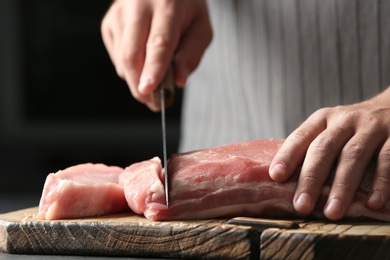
pixel 163 98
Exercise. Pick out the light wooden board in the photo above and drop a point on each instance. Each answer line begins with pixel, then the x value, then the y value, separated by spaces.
pixel 128 234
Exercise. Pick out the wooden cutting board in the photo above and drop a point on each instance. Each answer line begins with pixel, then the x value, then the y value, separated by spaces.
pixel 128 234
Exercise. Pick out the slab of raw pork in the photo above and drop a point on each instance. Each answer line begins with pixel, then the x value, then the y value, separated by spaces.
pixel 82 190
pixel 227 181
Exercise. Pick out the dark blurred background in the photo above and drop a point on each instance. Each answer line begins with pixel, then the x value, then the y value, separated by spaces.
pixel 61 102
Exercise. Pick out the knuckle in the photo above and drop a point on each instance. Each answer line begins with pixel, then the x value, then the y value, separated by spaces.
pixel 322 112
pixel 309 179
pixel 374 122
pixel 384 156
pixel 131 58
pixel 323 144
pixel 158 40
pixel 383 179
pixel 354 151
pixel 341 185
pixel 299 135
pixel 383 169
pixel 345 117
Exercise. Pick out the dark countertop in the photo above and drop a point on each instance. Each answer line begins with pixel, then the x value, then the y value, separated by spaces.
pixel 12 202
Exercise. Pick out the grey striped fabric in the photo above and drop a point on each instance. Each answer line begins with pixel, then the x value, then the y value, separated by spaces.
pixel 272 63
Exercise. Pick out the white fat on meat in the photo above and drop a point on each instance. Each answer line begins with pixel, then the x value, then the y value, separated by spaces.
pixel 226 181
pixel 142 184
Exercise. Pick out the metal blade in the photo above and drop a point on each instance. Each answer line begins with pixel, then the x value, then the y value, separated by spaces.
pixel 164 139
pixel 162 98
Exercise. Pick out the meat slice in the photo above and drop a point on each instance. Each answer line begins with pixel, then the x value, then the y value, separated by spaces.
pixel 143 185
pixel 226 181
pixel 82 190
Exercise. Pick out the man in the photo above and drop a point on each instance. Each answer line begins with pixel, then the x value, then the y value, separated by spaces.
pixel 272 65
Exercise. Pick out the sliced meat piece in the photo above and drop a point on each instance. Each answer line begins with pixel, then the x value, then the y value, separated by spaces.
pixel 143 185
pixel 82 190
pixel 226 181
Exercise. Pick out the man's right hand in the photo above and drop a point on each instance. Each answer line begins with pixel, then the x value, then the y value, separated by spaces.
pixel 143 37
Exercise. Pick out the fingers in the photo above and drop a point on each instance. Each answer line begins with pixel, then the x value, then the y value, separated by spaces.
pixel 131 50
pixel 185 42
pixel 354 153
pixel 125 30
pixel 293 151
pixel 111 30
pixel 321 154
pixel 352 164
pixel 380 191
pixel 142 36
pixel 341 138
pixel 191 47
pixel 162 41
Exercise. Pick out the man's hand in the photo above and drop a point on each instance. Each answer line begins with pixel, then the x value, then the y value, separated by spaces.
pixel 345 138
pixel 142 38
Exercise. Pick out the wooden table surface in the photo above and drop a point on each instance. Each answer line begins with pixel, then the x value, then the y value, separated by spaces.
pixel 128 234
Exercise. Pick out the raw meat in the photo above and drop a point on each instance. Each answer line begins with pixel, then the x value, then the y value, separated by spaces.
pixel 227 181
pixel 82 190
pixel 143 185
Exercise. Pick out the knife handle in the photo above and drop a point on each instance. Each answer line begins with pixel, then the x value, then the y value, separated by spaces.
pixel 169 90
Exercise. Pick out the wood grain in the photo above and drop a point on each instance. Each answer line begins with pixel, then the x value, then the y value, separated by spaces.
pixel 126 235
pixel 322 240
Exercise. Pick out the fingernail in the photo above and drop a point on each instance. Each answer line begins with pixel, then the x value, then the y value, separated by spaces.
pixel 144 84
pixel 278 169
pixel 304 199
pixel 376 197
pixel 333 205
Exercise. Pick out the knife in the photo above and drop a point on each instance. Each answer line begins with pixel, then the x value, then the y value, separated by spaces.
pixel 163 98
